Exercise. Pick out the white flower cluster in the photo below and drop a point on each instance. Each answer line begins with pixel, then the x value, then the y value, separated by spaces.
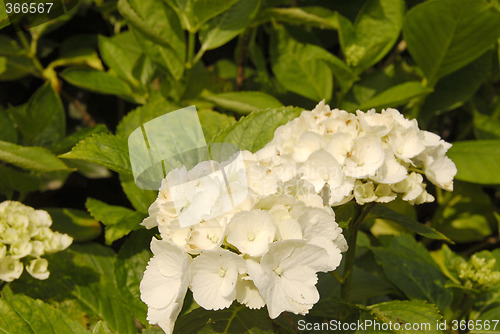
pixel 264 251
pixel 281 230
pixel 25 236
pixel 372 157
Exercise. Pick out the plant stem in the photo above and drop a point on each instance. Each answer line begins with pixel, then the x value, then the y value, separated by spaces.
pixel 352 235
pixel 190 55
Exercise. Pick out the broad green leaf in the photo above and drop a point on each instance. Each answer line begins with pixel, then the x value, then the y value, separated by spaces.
pixel 21 314
pixel 140 199
pixel 407 222
pixel 447 261
pixel 85 273
pixel 76 223
pixel 396 95
pixel 445 35
pixel 373 34
pixel 244 102
pixel 118 220
pixel 257 129
pixel 103 149
pixel 300 68
pixel 456 88
pixel 129 269
pixel 7 128
pixel 213 122
pixel 101 328
pixel 408 312
pixel 486 127
pixel 477 161
pixel 96 81
pixel 34 158
pixel 194 13
pixel 42 120
pixel 157 28
pixel 466 214
pixel 67 143
pixel 15 67
pixel 9 47
pixel 14 180
pixel 125 56
pixel 223 28
pixel 317 17
pixel 237 319
pixel 134 119
pixel 409 266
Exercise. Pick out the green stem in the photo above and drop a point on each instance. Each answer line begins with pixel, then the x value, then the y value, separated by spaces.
pixel 190 55
pixel 352 236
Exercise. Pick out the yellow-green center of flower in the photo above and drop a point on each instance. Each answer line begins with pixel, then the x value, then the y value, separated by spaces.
pixel 251 237
pixel 278 271
pixel 222 272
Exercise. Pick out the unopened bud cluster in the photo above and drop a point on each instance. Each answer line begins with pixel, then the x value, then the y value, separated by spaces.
pixel 25 236
pixel 478 273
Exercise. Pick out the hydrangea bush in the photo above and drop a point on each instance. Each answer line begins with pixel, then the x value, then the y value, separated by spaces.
pixel 379 203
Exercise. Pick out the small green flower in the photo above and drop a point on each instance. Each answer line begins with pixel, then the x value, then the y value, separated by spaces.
pixel 478 273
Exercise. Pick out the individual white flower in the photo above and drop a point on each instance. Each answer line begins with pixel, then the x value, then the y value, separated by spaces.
pixel 20 248
pixel 339 145
pixel 308 143
pixel 41 218
pixel 10 269
pixel 165 283
pixel 10 235
pixel 38 269
pixel 391 170
pixel 57 242
pixel 411 187
pixel 213 278
pixel 365 158
pixel 364 192
pixel 252 232
pixel 37 248
pixel 374 123
pixel 321 168
pixel 3 251
pixel 248 294
pixel 384 193
pixel 441 172
pixel 206 235
pixel 406 143
pixel 286 276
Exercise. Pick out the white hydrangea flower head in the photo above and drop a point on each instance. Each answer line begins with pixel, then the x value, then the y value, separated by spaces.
pixel 25 237
pixel 267 249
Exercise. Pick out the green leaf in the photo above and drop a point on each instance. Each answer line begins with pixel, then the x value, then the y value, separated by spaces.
pixel 130 265
pixel 223 28
pixel 477 161
pixel 15 67
pixel 300 67
pixel 408 312
pixel 140 199
pixel 76 223
pixel 466 214
pixel 373 34
pixel 445 35
pixel 42 120
pixel 14 180
pixel 34 158
pixel 7 128
pixel 317 17
pixel 21 314
pixel 486 127
pixel 119 221
pixel 101 328
pixel 103 149
pixel 396 95
pixel 85 273
pixel 409 266
pixel 244 102
pixel 67 143
pixel 407 222
pixel 9 47
pixel 194 13
pixel 257 129
pixel 458 87
pixel 157 28
pixel 213 122
pixel 134 119
pixel 96 81
pixel 236 319
pixel 125 56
